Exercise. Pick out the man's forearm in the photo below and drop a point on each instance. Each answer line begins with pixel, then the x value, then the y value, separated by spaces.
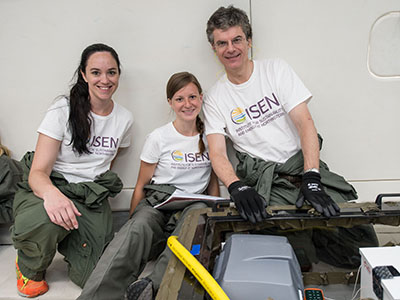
pixel 304 123
pixel 224 169
pixel 310 147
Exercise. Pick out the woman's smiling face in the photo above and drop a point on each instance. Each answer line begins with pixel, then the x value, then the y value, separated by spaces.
pixel 102 76
pixel 186 102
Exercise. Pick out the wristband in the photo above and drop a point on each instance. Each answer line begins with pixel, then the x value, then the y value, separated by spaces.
pixel 312 170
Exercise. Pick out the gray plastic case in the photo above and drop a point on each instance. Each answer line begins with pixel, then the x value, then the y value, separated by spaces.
pixel 259 267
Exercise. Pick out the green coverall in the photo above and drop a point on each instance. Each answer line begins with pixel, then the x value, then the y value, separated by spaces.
pixel 36 238
pixel 10 175
pixel 142 238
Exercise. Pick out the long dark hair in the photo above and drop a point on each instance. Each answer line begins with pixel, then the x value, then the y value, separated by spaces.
pixel 79 120
pixel 175 83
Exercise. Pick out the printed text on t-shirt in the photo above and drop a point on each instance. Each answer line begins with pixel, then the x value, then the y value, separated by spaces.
pixel 103 145
pixel 190 160
pixel 256 115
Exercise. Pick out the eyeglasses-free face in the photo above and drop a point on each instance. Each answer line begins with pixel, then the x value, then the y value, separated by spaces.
pixel 187 102
pixel 102 76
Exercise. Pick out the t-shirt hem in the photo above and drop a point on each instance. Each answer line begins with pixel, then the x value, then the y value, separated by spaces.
pixel 306 98
pixel 49 134
pixel 146 160
pixel 215 132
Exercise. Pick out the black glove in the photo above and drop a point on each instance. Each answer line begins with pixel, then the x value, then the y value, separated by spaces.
pixel 250 205
pixel 312 190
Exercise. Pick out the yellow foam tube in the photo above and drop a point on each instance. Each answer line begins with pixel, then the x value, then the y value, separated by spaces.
pixel 197 269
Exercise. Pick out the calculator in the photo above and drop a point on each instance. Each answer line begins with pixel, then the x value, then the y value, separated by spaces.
pixel 313 294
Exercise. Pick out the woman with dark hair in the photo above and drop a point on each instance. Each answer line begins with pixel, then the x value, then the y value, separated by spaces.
pixel 62 201
pixel 174 156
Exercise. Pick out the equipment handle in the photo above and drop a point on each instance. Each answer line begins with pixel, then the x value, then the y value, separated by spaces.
pixel 378 200
pixel 197 269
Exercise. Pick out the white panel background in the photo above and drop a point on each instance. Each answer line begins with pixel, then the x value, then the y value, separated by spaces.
pixel 41 42
pixel 325 41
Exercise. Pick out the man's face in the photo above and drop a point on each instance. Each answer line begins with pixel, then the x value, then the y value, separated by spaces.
pixel 231 47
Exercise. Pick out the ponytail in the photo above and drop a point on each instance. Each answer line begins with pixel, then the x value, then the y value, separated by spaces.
pixel 79 115
pixel 200 129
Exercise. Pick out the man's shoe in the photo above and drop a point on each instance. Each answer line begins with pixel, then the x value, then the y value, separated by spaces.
pixel 29 288
pixel 141 289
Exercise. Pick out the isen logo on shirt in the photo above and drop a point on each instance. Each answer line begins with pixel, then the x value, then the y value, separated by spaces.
pixel 254 111
pixel 178 156
pixel 238 115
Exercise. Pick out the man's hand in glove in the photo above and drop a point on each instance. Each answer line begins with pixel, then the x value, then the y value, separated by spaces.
pixel 250 205
pixel 312 190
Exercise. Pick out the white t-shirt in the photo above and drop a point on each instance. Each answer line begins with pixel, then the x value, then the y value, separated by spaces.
pixel 254 114
pixel 107 135
pixel 179 162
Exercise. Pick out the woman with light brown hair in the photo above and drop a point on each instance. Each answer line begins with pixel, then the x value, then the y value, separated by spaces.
pixel 174 157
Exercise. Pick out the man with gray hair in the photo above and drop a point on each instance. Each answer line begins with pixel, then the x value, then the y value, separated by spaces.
pixel 261 106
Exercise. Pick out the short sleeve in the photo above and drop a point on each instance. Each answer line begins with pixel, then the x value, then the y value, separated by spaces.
pixel 151 151
pixel 289 86
pixel 127 137
pixel 55 121
pixel 213 120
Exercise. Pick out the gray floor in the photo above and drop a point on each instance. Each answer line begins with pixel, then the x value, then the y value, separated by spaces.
pixel 63 289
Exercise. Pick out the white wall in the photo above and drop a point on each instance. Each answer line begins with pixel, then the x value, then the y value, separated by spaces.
pixel 325 41
pixel 41 42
